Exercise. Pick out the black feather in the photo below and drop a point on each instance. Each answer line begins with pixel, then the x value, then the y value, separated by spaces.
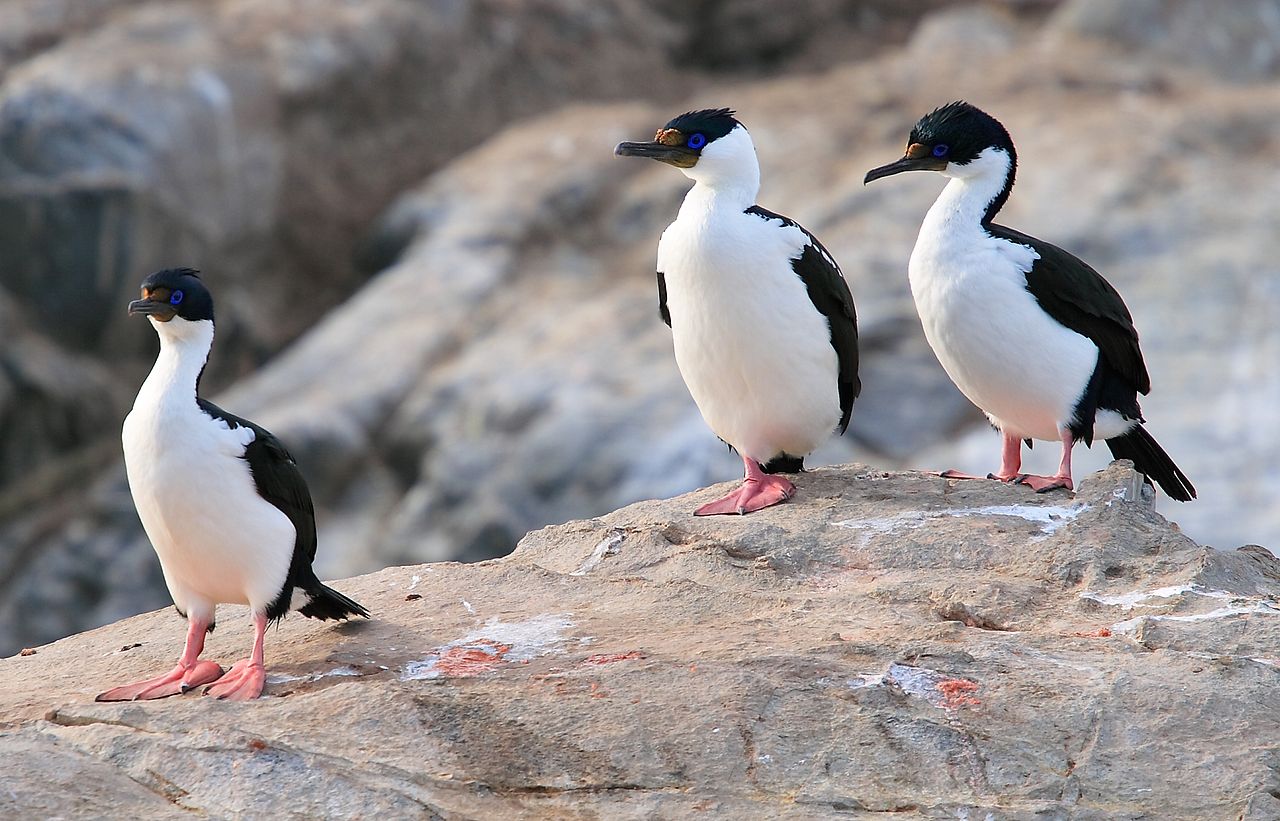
pixel 1080 299
pixel 278 480
pixel 1149 458
pixel 784 463
pixel 830 295
pixel 662 299
pixel 713 123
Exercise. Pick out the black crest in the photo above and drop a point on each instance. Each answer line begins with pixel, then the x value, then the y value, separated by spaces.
pixel 196 301
pixel 713 123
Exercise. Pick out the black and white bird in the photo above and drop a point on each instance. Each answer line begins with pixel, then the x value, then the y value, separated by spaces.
pixel 762 320
pixel 1029 333
pixel 222 501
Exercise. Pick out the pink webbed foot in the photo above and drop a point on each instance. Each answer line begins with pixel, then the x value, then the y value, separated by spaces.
pixel 755 494
pixel 1044 484
pixel 178 680
pixel 1010 463
pixel 955 474
pixel 243 682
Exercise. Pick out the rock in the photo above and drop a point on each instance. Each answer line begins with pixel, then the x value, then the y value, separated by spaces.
pixel 28 27
pixel 507 369
pixel 794 663
pixel 1239 41
pixel 51 400
pixel 255 140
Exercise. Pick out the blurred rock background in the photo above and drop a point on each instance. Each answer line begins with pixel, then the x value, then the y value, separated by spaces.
pixel 435 282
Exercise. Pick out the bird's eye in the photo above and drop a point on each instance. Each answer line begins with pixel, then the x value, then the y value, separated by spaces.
pixel 175 298
pixel 697 140
pixel 941 149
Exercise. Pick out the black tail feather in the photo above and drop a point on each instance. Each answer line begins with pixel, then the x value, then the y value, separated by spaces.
pixel 784 463
pixel 1150 459
pixel 327 603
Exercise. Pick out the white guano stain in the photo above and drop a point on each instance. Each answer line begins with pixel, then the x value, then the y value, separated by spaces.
pixel 527 639
pixel 608 546
pixel 1136 598
pixel 1235 609
pixel 285 678
pixel 920 682
pixel 1235 605
pixel 1049 517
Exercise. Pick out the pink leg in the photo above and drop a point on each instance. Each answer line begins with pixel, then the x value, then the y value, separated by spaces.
pixel 1010 462
pixel 245 679
pixel 759 490
pixel 1041 484
pixel 190 672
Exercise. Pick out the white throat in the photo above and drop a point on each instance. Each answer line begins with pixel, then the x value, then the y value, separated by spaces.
pixel 184 349
pixel 727 174
pixel 973 186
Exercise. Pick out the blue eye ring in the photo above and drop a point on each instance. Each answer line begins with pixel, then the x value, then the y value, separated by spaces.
pixel 696 140
pixel 940 150
pixel 176 298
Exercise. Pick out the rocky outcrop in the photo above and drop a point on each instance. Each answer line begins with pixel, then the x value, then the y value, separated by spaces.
pixel 1239 41
pixel 883 642
pixel 506 369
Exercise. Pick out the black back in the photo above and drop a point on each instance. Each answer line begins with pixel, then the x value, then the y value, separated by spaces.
pixel 1080 299
pixel 830 295
pixel 279 481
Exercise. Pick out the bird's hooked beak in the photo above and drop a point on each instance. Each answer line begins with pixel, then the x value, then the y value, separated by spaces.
pixel 155 304
pixel 917 158
pixel 667 146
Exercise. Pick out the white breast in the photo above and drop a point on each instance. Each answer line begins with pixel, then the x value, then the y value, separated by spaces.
pixel 217 539
pixel 1011 359
pixel 752 348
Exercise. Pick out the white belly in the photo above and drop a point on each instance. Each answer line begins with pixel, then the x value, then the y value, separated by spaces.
pixel 217 539
pixel 1020 366
pixel 754 352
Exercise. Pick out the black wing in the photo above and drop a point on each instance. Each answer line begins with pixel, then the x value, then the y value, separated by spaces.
pixel 279 482
pixel 1078 297
pixel 830 295
pixel 662 299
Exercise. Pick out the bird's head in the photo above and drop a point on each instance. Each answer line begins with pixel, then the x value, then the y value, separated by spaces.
pixel 709 146
pixel 956 140
pixel 174 299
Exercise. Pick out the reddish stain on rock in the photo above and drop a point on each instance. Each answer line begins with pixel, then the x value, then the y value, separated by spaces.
pixel 955 693
pixel 472 659
pixel 610 658
pixel 1100 633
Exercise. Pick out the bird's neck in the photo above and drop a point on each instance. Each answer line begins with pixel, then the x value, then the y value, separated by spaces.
pixel 724 195
pixel 176 375
pixel 975 194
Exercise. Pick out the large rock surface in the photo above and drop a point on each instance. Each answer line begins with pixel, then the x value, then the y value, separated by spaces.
pixel 506 369
pixel 883 642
